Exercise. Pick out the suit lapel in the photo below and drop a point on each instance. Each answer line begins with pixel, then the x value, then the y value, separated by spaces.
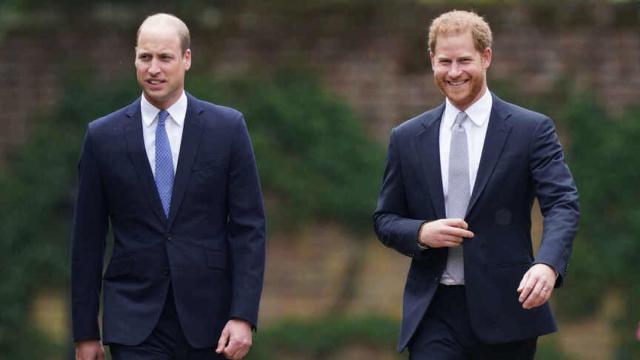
pixel 191 135
pixel 494 141
pixel 138 154
pixel 427 150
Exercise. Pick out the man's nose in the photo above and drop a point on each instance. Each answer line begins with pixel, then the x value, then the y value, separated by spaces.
pixel 454 70
pixel 154 68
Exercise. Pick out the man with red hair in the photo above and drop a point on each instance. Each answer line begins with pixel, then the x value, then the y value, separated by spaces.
pixel 456 198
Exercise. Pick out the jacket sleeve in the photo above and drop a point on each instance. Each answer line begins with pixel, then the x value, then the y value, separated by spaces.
pixel 88 239
pixel 391 220
pixel 558 198
pixel 246 225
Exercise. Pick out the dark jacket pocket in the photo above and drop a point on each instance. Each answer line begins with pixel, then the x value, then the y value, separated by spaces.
pixel 208 164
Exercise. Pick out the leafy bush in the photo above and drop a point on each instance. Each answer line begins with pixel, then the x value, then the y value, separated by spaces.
pixel 35 208
pixel 313 156
pixel 314 162
pixel 605 162
pixel 602 151
pixel 320 338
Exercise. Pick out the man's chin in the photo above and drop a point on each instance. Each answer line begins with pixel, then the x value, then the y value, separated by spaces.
pixel 155 95
pixel 456 97
pixel 155 98
pixel 461 102
pixel 154 92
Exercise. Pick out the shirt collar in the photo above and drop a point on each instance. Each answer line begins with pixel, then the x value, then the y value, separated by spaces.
pixel 478 112
pixel 178 111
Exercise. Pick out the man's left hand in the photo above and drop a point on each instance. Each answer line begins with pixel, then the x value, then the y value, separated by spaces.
pixel 536 286
pixel 235 339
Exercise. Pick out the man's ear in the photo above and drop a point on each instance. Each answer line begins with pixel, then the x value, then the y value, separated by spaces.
pixel 431 58
pixel 187 59
pixel 486 57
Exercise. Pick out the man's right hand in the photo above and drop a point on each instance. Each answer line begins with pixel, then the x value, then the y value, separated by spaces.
pixel 89 350
pixel 444 233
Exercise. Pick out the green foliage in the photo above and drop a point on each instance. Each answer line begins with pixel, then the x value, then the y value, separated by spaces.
pixel 315 163
pixel 325 337
pixel 550 350
pixel 602 151
pixel 313 156
pixel 35 211
pixel 605 162
pixel 320 338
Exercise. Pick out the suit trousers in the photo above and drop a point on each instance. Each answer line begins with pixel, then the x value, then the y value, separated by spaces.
pixel 166 342
pixel 445 333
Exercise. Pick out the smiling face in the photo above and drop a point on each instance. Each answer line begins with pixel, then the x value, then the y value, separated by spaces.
pixel 161 64
pixel 459 69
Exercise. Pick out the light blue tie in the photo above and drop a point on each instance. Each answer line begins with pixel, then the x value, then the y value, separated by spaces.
pixel 164 163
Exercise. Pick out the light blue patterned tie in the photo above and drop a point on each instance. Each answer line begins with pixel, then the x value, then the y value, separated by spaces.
pixel 458 195
pixel 164 163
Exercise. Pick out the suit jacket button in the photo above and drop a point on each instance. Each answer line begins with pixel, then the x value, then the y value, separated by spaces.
pixel 169 238
pixel 165 272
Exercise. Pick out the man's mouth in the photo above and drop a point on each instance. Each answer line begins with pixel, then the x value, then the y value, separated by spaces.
pixel 457 83
pixel 154 81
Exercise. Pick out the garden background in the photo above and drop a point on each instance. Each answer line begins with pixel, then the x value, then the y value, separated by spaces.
pixel 321 84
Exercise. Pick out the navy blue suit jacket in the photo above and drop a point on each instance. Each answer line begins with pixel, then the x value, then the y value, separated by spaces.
pixel 210 249
pixel 521 160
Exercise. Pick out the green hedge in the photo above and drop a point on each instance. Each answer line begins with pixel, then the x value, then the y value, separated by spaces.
pixel 321 338
pixel 605 158
pixel 35 213
pixel 315 163
pixel 314 159
pixel 603 153
pixel 326 338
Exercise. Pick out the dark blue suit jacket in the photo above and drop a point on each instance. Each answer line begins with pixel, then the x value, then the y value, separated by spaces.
pixel 521 160
pixel 211 249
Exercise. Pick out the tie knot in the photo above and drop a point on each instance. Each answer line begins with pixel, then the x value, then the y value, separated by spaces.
pixel 162 117
pixel 460 118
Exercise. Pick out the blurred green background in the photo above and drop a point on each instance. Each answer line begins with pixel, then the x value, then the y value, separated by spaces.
pixel 321 84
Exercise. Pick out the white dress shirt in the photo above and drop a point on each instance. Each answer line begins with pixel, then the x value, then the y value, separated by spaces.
pixel 174 126
pixel 476 130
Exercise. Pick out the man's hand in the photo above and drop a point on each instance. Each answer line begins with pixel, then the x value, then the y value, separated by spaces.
pixel 235 339
pixel 536 286
pixel 444 233
pixel 89 350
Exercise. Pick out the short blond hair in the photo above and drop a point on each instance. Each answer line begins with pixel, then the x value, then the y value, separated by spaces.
pixel 458 22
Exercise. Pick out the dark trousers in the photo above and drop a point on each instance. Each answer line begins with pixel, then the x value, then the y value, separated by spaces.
pixel 445 333
pixel 166 342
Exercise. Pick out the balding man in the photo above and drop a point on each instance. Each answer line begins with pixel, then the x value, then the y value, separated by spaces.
pixel 176 179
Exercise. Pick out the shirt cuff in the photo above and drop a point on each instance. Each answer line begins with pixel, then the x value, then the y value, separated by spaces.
pixel 421 245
